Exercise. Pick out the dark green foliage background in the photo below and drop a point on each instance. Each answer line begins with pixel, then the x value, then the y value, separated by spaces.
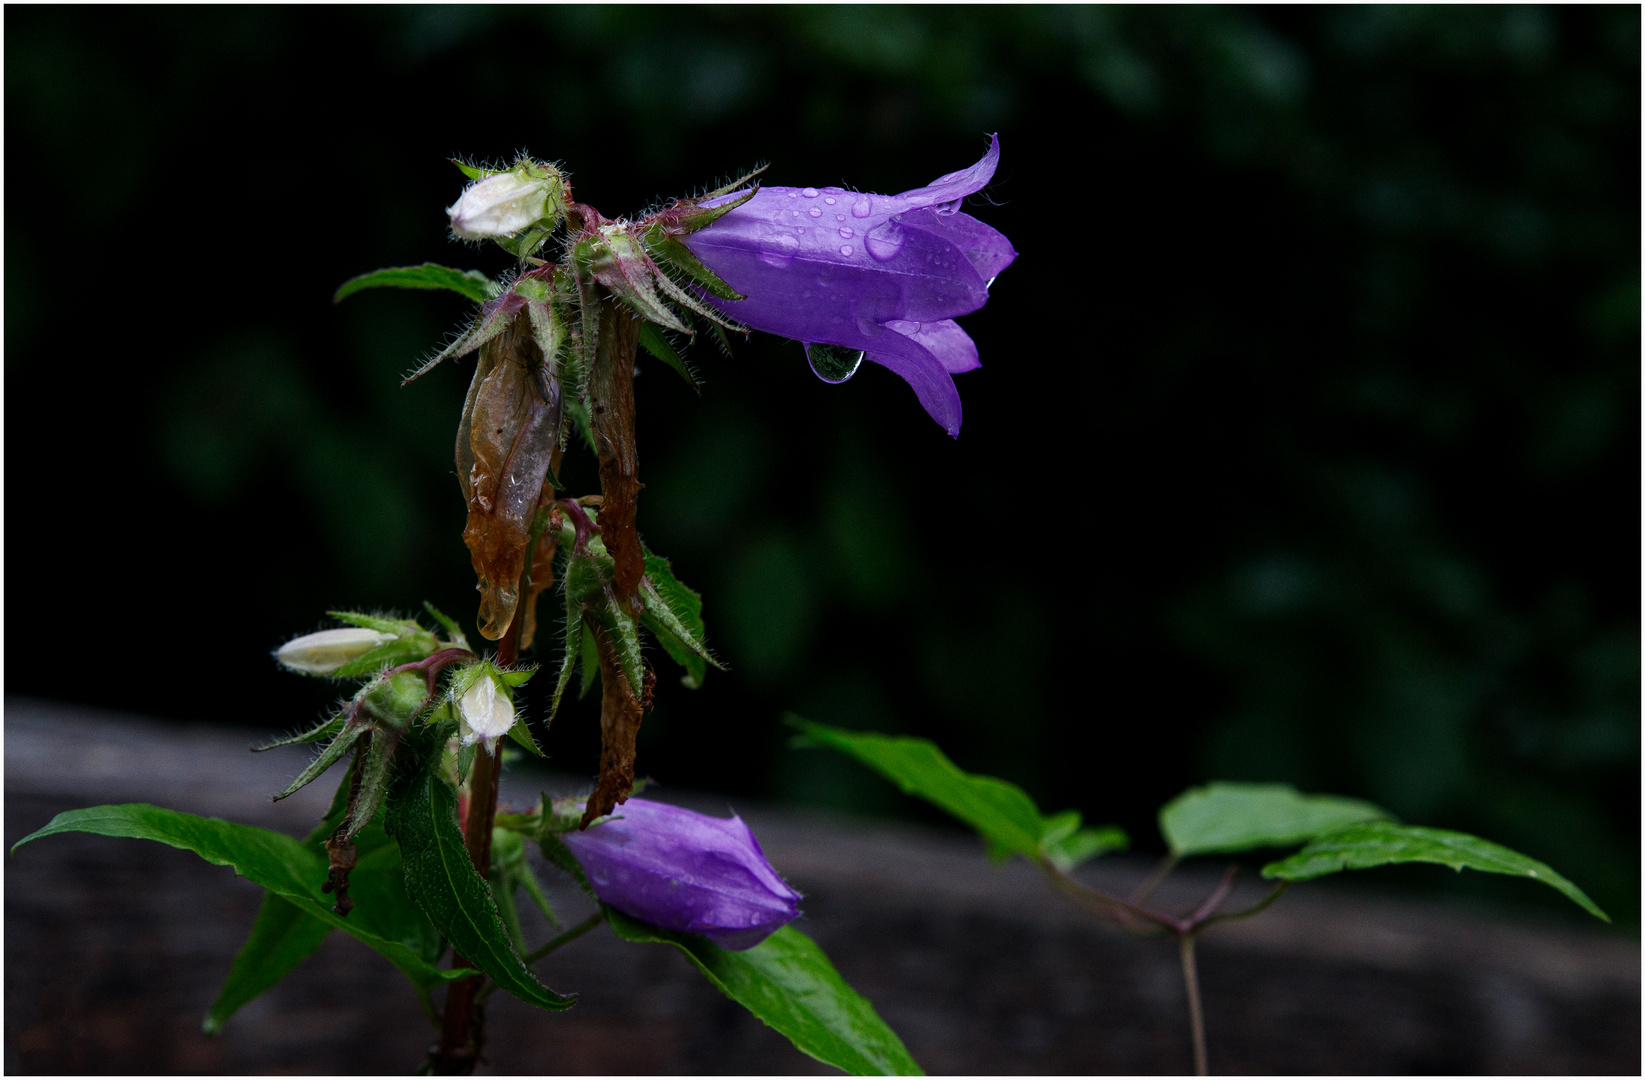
pixel 1305 446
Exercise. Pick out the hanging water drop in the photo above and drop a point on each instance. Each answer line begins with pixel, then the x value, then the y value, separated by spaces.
pixel 885 240
pixel 833 363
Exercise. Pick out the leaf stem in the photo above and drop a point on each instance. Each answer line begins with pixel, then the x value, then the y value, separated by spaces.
pixel 1161 872
pixel 1133 917
pixel 566 938
pixel 1196 1015
pixel 1256 908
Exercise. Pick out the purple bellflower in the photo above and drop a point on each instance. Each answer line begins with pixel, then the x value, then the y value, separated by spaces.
pixel 857 276
pixel 685 871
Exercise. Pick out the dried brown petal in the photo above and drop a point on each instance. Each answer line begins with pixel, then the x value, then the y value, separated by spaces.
pixel 511 439
pixel 611 399
pixel 620 716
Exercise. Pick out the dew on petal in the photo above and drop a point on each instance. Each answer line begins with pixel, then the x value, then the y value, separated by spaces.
pixel 810 193
pixel 816 212
pixel 845 249
pixel 839 217
pixel 862 207
pixel 830 200
pixel 833 363
pixel 779 251
pixel 847 232
pixel 885 240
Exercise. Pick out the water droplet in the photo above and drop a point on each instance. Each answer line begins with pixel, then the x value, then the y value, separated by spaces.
pixel 779 250
pixel 830 200
pixel 847 232
pixel 810 193
pixel 815 212
pixel 862 207
pixel 845 249
pixel 833 363
pixel 885 240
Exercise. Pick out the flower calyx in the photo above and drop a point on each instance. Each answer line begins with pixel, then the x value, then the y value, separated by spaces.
pixel 483 696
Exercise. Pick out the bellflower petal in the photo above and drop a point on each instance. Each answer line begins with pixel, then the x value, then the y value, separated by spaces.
pixel 685 871
pixel 325 651
pixel 883 274
pixel 952 347
pixel 486 713
pixel 984 246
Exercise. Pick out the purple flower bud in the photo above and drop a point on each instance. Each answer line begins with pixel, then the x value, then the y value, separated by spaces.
pixel 883 275
pixel 685 871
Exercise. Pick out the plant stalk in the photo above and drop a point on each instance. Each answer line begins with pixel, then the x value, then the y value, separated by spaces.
pixel 1196 1015
pixel 462 1032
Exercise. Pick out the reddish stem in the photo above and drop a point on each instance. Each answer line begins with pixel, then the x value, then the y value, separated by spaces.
pixel 462 1032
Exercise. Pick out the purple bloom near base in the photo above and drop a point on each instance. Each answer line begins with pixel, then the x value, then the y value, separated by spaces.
pixel 880 275
pixel 685 871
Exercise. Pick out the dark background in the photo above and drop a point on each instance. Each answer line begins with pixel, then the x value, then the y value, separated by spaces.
pixel 1305 446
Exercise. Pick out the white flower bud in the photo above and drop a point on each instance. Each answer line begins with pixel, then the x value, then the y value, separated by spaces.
pixel 326 651
pixel 501 205
pixel 486 713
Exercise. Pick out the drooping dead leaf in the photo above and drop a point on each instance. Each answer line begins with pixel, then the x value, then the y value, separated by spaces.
pixel 620 715
pixel 511 438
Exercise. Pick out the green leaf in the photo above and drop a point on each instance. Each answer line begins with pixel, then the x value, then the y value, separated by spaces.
pixel 389 654
pixel 558 854
pixel 676 256
pixel 590 660
pixel 573 643
pixel 1001 811
pixel 325 729
pixel 335 749
pixel 674 613
pixel 1067 852
pixel 578 411
pixel 654 343
pixel 789 983
pixel 1381 843
pixel 1223 817
pixel 282 937
pixel 422 818
pixel 277 862
pixel 458 638
pixel 471 283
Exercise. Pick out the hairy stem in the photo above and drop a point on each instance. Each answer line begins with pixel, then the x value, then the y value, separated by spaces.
pixel 1196 1016
pixel 462 1034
